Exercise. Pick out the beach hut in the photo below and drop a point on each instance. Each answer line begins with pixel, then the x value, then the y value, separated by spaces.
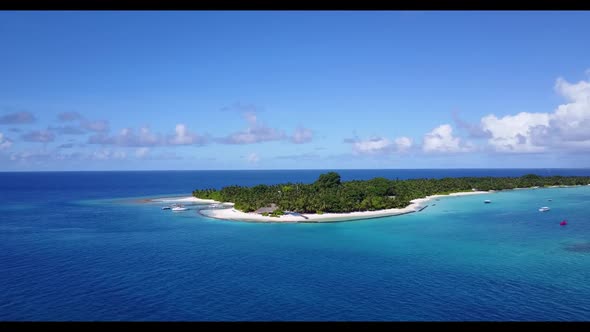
pixel 267 209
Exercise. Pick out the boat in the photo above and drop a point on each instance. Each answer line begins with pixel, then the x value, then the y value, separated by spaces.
pixel 543 209
pixel 166 208
pixel 563 222
pixel 487 201
pixel 179 208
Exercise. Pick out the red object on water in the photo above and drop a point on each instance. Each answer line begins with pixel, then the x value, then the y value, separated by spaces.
pixel 563 223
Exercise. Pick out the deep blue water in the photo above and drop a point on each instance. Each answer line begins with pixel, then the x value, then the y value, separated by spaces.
pixel 76 246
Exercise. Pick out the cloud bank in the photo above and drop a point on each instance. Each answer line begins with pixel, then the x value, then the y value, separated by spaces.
pixel 567 128
pixel 379 145
pixel 257 132
pixel 18 118
pixel 39 136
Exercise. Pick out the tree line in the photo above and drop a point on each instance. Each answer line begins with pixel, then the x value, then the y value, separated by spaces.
pixel 329 194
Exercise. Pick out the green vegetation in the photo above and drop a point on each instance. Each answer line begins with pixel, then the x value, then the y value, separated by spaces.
pixel 277 213
pixel 329 194
pixel 328 180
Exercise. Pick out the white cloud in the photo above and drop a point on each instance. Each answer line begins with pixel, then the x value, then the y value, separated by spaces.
pixel 372 146
pixel 403 143
pixel 571 121
pixel 512 133
pixel 302 135
pixel 66 146
pixel 69 116
pixel 99 126
pixel 567 128
pixel 41 136
pixel 474 130
pixel 30 156
pixel 142 152
pixel 41 156
pixel 67 130
pixel 255 133
pixel 379 145
pixel 253 158
pixel 441 139
pixel 127 137
pixel 83 127
pixel 251 118
pixel 146 138
pixel 5 143
pixel 183 136
pixel 17 118
pixel 107 154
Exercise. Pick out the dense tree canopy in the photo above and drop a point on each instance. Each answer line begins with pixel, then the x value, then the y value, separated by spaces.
pixel 328 180
pixel 330 194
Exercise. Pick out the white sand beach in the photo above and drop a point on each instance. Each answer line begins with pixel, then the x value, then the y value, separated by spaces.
pixel 184 199
pixel 416 204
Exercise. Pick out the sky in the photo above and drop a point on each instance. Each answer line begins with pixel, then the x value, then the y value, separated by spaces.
pixel 205 90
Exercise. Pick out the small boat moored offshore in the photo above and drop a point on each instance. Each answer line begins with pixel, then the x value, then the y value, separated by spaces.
pixel 544 209
pixel 487 201
pixel 166 208
pixel 179 208
pixel 563 222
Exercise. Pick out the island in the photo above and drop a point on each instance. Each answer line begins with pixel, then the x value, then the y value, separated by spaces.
pixel 331 199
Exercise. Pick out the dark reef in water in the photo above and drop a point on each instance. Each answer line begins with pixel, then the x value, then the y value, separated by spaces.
pixel 578 247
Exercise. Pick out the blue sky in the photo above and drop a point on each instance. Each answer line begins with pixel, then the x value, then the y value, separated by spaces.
pixel 289 90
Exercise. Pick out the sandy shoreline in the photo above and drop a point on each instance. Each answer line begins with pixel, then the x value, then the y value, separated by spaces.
pixel 416 204
pixel 184 199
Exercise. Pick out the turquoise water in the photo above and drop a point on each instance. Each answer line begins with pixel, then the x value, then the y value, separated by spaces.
pixel 75 252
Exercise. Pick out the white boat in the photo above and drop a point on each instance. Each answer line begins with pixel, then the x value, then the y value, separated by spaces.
pixel 487 201
pixel 179 208
pixel 543 209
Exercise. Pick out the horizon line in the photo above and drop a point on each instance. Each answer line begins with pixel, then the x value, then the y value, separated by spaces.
pixel 301 169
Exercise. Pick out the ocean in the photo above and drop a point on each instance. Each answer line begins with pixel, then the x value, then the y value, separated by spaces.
pixel 77 246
